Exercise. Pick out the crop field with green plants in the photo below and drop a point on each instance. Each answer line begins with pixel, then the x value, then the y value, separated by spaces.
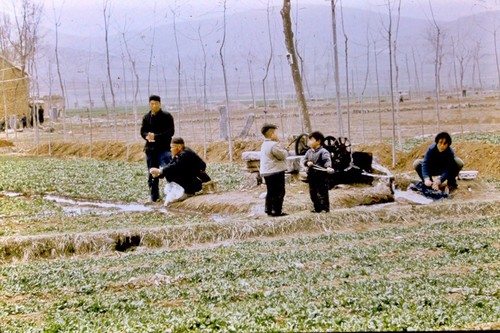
pixel 434 276
pixel 427 273
pixel 82 250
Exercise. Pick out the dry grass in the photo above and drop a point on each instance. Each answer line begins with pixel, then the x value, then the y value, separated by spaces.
pixel 6 143
pixel 368 218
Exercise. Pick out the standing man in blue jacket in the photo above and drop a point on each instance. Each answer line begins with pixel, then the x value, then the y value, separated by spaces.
pixel 157 129
pixel 439 164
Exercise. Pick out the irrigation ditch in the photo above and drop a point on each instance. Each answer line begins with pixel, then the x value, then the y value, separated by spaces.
pixel 219 229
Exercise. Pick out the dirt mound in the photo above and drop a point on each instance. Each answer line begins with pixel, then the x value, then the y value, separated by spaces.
pixel 5 143
pixel 114 150
pixel 99 150
pixel 382 152
pixel 219 151
pixel 481 156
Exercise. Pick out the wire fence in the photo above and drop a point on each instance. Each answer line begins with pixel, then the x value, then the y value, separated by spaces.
pixel 367 123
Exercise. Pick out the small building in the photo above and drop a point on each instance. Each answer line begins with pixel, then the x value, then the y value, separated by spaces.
pixel 14 92
pixel 54 106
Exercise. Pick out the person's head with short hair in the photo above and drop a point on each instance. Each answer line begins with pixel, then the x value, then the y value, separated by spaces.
pixel 154 103
pixel 443 141
pixel 315 139
pixel 176 146
pixel 269 131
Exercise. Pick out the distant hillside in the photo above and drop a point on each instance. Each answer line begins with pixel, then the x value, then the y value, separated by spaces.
pixel 248 48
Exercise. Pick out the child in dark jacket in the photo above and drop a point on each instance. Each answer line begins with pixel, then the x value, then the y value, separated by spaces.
pixel 319 164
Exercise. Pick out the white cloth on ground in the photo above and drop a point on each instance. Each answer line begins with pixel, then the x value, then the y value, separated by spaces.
pixel 174 192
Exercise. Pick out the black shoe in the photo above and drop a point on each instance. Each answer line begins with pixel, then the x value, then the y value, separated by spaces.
pixel 315 211
pixel 280 214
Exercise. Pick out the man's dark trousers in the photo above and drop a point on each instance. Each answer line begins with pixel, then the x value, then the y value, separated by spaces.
pixel 155 159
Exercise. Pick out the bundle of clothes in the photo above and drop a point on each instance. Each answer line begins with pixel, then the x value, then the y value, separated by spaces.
pixel 428 192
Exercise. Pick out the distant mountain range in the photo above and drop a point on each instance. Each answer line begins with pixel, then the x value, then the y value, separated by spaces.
pixel 157 52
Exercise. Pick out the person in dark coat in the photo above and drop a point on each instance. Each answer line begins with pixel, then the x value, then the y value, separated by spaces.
pixel 439 164
pixel 41 113
pixel 319 163
pixel 157 129
pixel 184 167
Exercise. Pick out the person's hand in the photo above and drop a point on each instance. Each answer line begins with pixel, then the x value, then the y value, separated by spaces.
pixel 436 184
pixel 329 170
pixel 150 137
pixel 155 172
pixel 428 182
pixel 309 163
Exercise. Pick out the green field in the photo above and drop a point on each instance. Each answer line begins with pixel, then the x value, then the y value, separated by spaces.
pixel 411 274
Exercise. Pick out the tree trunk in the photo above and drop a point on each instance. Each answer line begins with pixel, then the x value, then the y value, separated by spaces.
pixel 336 64
pixel 292 60
pixel 136 88
pixel 228 119
pixel 391 83
pixel 58 65
pixel 179 63
pixel 348 93
pixel 106 14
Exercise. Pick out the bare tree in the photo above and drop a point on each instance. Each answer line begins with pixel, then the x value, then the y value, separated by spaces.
pixel 6 49
pixel 497 61
pixel 205 107
pixel 463 59
pixel 268 62
pixel 418 90
pixel 436 40
pixel 292 60
pixel 297 50
pixel 378 91
pixel 364 86
pixel 19 42
pixel 57 23
pixel 136 89
pixel 125 94
pixel 396 79
pixel 391 80
pixel 151 50
pixel 228 113
pixel 408 75
pixel 179 71
pixel 348 93
pixel 476 55
pixel 336 64
pixel 24 41
pixel 458 83
pixel 89 108
pixel 250 78
pixel 106 12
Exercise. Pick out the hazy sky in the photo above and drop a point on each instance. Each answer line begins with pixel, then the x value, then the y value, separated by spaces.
pixel 86 15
